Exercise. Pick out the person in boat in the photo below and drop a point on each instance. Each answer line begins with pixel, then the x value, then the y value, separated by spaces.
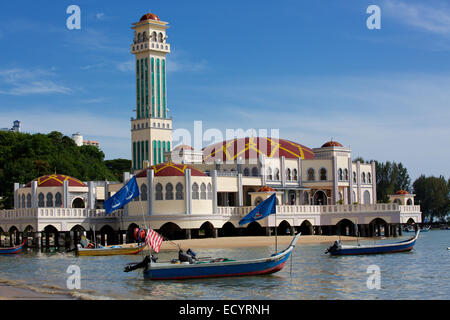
pixel 336 246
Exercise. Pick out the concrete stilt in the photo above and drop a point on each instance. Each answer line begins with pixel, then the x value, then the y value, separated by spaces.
pixel 188 233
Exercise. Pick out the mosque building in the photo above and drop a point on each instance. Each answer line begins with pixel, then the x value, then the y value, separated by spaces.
pixel 199 193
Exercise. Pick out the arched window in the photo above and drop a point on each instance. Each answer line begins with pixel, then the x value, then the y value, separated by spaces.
pixel 246 172
pixel 154 36
pixel 366 197
pixel 277 174
pixel 340 174
pixel 305 198
pixel 144 192
pixel 158 191
pixel 409 202
pixel 195 194
pixel 58 200
pixel 363 177
pixel 288 174
pixel 28 200
pixel 203 191
pixel 139 37
pixel 295 174
pixel 258 201
pixel 369 178
pixel 210 194
pixel 180 192
pixel 160 37
pixel 49 203
pixel 311 174
pixel 23 201
pixel 346 174
pixel 41 200
pixel 323 174
pixel 169 191
pixel 354 177
pixel 269 174
pixel 254 172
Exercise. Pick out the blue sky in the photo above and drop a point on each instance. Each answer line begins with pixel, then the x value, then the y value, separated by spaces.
pixel 311 69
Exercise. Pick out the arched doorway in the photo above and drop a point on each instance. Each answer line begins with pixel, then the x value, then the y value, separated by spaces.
pixel 171 231
pixel 77 231
pixel 78 203
pixel 284 228
pixel 377 227
pixel 410 221
pixel 206 230
pixel 320 198
pixel 51 236
pixel 107 236
pixel 254 229
pixel 306 228
pixel 292 197
pixel 14 238
pixel 228 230
pixel 345 227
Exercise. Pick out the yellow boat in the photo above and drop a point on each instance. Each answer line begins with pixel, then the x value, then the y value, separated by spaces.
pixel 86 248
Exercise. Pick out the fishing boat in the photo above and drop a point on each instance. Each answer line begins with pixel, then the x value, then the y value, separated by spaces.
pixel 338 249
pixel 87 248
pixel 409 229
pixel 213 268
pixel 425 229
pixel 13 250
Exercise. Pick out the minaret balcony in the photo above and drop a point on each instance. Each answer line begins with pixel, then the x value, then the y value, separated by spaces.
pixel 150 45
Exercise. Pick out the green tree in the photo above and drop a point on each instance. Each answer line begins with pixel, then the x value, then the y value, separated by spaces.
pixel 118 167
pixel 391 177
pixel 24 157
pixel 433 196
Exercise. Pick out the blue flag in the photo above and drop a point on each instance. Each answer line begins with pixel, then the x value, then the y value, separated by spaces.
pixel 123 196
pixel 261 211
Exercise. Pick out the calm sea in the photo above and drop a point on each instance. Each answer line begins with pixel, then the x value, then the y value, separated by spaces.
pixel 420 274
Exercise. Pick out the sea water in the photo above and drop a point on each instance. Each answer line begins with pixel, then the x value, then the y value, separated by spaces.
pixel 420 274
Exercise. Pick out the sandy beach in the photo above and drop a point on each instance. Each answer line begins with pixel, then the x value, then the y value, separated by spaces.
pixel 241 242
pixel 8 292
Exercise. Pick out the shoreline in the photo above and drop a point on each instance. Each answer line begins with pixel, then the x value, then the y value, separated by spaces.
pixel 251 241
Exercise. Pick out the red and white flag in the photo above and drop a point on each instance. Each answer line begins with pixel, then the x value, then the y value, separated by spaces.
pixel 154 240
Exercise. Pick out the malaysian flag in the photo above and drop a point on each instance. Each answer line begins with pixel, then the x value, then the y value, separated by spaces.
pixel 153 240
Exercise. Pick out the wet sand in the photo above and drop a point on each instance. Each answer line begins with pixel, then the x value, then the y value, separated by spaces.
pixel 8 292
pixel 242 242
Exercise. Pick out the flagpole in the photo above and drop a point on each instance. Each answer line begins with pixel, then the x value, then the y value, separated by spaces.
pixel 276 229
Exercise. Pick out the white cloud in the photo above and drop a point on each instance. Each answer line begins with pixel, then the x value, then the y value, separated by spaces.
pixel 126 66
pixel 100 16
pixel 433 16
pixel 20 82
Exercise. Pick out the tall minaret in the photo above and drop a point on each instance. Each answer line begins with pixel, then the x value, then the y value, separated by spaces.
pixel 151 130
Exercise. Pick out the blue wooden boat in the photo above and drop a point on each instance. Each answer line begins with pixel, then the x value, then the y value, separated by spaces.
pixel 217 267
pixel 13 250
pixel 337 249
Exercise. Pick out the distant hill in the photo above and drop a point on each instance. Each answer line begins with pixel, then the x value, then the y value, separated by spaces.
pixel 24 157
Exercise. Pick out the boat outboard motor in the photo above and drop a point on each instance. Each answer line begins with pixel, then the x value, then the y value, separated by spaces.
pixel 184 257
pixel 144 264
pixel 192 254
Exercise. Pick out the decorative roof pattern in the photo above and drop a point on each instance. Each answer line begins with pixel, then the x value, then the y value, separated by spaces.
pixel 56 180
pixel 149 16
pixel 250 148
pixel 331 144
pixel 266 189
pixel 170 169
pixel 402 192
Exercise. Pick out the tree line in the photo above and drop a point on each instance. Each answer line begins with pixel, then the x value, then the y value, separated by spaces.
pixel 24 157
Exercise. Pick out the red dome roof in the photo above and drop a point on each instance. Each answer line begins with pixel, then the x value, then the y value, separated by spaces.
pixel 170 170
pixel 402 192
pixel 331 144
pixel 56 180
pixel 149 16
pixel 250 148
pixel 266 189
